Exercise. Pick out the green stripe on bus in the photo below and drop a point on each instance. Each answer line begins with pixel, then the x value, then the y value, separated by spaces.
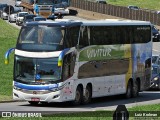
pixel 102 52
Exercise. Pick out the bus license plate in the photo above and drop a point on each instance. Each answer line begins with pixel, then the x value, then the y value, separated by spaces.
pixel 35 99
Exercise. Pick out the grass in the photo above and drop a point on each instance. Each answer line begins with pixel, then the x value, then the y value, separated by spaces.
pixel 5 97
pixel 154 107
pixel 8 36
pixel 145 4
pixel 97 115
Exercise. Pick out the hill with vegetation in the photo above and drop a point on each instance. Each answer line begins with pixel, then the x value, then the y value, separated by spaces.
pixel 144 4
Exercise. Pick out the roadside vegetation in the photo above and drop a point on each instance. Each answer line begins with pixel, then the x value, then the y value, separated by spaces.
pixel 144 4
pixel 8 36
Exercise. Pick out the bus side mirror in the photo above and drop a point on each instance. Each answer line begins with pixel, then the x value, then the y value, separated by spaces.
pixel 61 57
pixel 7 55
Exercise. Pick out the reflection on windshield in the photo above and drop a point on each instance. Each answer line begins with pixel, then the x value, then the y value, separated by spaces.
pixel 154 58
pixel 32 70
pixel 41 34
pixel 154 70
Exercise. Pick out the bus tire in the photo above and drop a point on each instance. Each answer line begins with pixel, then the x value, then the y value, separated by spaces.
pixel 33 102
pixel 129 90
pixel 78 96
pixel 135 90
pixel 87 95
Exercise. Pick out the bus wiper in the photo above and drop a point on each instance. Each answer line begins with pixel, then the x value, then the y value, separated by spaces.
pixel 21 75
pixel 52 81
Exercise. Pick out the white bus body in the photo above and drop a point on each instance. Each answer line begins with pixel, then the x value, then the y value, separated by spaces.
pixel 98 58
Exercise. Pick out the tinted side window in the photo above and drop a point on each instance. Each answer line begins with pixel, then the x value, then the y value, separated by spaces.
pixel 102 35
pixel 110 35
pixel 84 37
pixel 72 37
pixel 142 34
pixel 123 35
pixel 103 68
pixel 68 66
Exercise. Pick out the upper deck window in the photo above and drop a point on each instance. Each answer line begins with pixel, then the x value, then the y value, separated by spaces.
pixel 41 38
pixel 45 38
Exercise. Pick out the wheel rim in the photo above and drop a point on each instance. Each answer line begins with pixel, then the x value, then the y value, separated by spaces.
pixel 136 89
pixel 86 96
pixel 77 98
pixel 129 91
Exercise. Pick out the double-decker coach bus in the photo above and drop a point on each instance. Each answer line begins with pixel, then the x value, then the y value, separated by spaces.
pixel 76 61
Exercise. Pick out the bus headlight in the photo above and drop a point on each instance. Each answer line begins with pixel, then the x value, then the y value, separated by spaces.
pixel 54 89
pixel 156 78
pixel 16 88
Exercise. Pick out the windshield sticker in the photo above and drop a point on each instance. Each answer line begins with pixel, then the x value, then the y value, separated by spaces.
pixel 38 77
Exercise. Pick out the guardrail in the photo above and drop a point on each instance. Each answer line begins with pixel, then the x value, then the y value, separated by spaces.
pixel 118 11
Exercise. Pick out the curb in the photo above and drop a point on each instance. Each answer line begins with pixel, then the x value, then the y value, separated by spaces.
pixel 9 101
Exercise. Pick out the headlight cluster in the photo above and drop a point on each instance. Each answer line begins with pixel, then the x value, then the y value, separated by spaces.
pixel 56 89
pixel 16 88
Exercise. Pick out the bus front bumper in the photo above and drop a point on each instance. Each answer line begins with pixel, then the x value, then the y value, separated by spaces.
pixel 39 96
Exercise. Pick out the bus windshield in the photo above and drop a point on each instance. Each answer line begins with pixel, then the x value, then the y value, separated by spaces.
pixel 30 70
pixel 45 2
pixel 41 38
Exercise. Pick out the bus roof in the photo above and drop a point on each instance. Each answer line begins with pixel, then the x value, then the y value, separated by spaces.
pixel 113 22
pixel 104 22
pixel 54 23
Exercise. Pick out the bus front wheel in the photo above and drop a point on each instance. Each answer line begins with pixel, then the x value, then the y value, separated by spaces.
pixel 78 96
pixel 87 95
pixel 33 102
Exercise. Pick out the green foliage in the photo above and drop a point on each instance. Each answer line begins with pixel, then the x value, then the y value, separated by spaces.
pixel 95 115
pixel 155 107
pixel 145 4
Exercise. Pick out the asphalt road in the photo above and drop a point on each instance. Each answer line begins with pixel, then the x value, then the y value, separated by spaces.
pixel 156 48
pixel 104 103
